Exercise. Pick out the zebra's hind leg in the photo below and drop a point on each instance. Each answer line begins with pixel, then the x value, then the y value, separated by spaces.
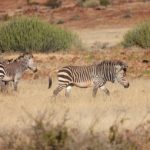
pixel 105 90
pixel 3 86
pixel 58 89
pixel 67 92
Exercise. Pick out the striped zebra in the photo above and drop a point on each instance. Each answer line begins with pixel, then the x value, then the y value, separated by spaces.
pixel 3 85
pixel 94 75
pixel 13 70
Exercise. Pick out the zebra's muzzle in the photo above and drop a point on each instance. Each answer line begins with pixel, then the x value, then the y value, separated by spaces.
pixel 35 70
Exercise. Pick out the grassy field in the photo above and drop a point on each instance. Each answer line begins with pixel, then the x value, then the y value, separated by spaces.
pixel 32 105
pixel 33 99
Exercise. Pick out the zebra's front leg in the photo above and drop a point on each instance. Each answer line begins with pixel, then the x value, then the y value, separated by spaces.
pixel 67 92
pixel 15 83
pixel 16 80
pixel 95 88
pixel 105 90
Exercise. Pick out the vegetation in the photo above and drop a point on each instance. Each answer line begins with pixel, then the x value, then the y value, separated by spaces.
pixel 139 36
pixel 104 2
pixel 54 3
pixel 93 3
pixel 49 137
pixel 50 3
pixel 31 34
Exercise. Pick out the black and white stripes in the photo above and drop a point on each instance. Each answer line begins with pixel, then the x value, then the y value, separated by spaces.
pixel 12 71
pixel 2 71
pixel 94 75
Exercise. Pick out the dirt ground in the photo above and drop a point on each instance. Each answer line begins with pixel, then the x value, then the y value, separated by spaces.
pixel 109 36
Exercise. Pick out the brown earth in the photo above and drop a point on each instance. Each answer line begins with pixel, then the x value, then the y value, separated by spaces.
pixel 116 15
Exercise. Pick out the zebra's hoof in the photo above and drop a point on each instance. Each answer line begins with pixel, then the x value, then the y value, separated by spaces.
pixel 67 95
pixel 93 95
pixel 107 93
pixel 126 86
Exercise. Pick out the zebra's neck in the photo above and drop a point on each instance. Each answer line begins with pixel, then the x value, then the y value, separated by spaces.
pixel 106 71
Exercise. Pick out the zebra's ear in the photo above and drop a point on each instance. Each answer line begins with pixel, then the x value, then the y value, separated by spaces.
pixel 124 67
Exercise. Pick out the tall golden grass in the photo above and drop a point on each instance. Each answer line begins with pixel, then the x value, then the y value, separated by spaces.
pixel 33 97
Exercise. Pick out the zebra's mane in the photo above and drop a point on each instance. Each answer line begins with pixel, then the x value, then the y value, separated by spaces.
pixel 121 63
pixel 114 62
pixel 22 56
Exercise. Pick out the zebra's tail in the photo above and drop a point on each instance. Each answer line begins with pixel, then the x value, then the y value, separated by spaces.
pixel 49 82
pixel 50 78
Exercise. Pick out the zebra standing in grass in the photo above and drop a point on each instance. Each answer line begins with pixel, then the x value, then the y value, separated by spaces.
pixel 3 84
pixel 95 75
pixel 12 71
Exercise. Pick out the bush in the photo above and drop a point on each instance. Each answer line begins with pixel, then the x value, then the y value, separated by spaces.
pixel 91 3
pixel 46 136
pixel 80 2
pixel 54 3
pixel 104 2
pixel 31 34
pixel 139 36
pixel 49 3
pixel 88 3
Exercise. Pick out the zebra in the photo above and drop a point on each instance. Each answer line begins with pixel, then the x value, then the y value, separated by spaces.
pixel 13 70
pixel 95 75
pixel 3 84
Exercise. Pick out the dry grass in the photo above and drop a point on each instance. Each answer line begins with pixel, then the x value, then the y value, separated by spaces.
pixel 112 36
pixel 31 114
pixel 34 98
pixel 82 112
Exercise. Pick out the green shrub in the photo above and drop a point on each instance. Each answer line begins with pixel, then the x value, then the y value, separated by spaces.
pixel 50 3
pixel 104 2
pixel 139 36
pixel 31 34
pixel 80 2
pixel 88 3
pixel 54 3
pixel 91 3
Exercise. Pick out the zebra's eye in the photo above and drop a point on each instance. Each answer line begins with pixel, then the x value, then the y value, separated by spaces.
pixel 124 69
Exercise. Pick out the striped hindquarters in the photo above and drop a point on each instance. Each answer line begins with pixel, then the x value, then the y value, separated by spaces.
pixel 76 75
pixel 2 71
pixel 65 75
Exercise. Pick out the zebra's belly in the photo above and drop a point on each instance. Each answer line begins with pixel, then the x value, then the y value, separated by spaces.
pixel 84 84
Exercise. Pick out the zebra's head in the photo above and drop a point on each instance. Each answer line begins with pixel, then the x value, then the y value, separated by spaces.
pixel 121 69
pixel 28 59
